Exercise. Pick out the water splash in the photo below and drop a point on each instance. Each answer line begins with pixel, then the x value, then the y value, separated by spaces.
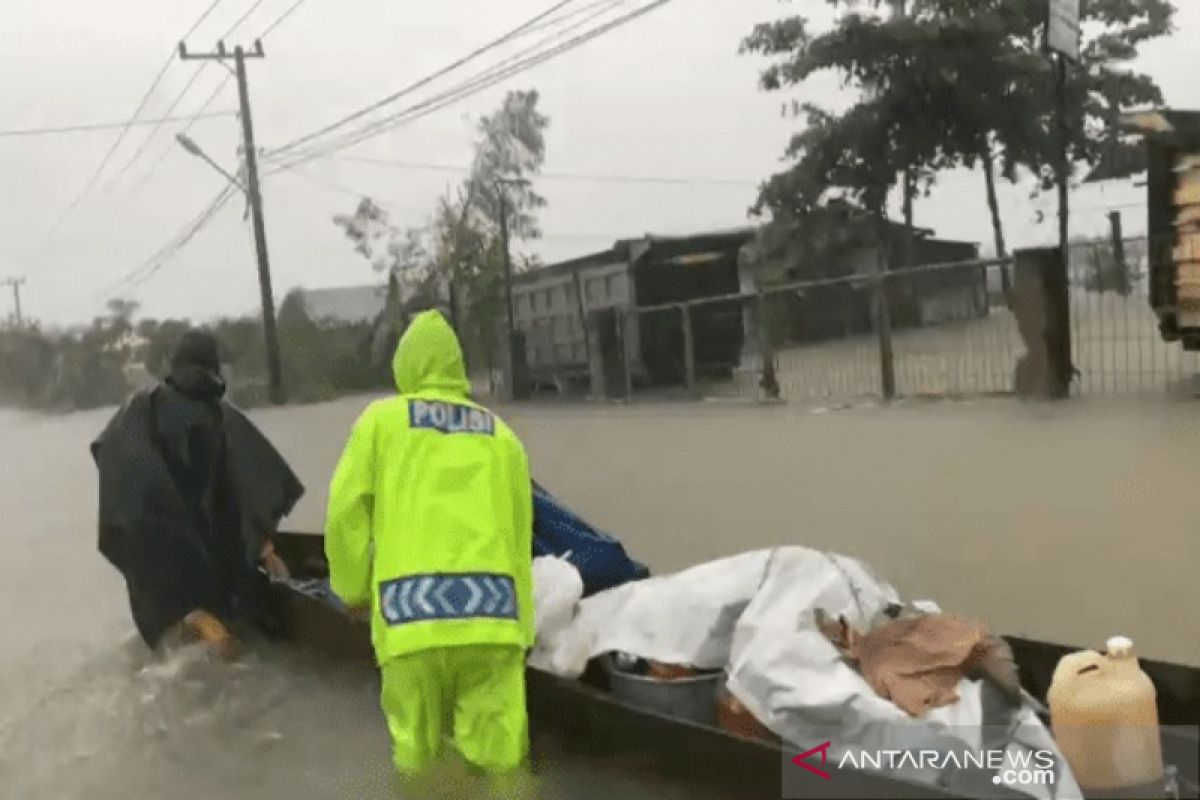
pixel 146 725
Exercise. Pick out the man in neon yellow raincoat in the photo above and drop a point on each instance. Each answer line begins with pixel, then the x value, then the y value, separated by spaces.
pixel 430 524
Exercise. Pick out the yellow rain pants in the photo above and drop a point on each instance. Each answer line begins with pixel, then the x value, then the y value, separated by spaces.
pixel 474 694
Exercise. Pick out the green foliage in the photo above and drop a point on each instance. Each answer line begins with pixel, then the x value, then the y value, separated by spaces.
pixel 510 149
pixel 461 246
pixel 87 368
pixel 949 83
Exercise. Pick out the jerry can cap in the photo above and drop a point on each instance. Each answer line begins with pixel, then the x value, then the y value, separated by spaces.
pixel 1119 647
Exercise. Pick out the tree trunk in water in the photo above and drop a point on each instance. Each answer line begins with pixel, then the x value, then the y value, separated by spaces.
pixel 989 177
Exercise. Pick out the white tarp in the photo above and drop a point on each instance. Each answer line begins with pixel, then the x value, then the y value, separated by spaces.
pixel 752 615
pixel 685 618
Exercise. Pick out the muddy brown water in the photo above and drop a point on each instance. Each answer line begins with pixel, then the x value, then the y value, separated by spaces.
pixel 1068 522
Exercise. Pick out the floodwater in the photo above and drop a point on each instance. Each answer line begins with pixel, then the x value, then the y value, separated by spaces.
pixel 1069 522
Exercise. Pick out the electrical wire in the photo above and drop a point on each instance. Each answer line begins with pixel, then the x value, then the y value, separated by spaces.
pixel 389 206
pixel 152 265
pixel 577 12
pixel 557 176
pixel 479 82
pixel 105 126
pixel 212 98
pixel 170 148
pixel 238 23
pixel 141 106
pixel 473 86
pixel 351 137
pixel 182 94
pixel 507 37
pixel 282 18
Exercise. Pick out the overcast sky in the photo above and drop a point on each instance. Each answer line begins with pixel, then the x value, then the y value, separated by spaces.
pixel 666 96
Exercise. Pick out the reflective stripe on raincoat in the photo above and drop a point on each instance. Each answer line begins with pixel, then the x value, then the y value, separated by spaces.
pixel 430 515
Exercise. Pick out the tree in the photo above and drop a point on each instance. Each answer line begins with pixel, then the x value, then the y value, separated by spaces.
pixel 123 310
pixel 510 149
pixel 897 127
pixel 395 251
pixel 460 250
pixel 891 130
pixel 976 68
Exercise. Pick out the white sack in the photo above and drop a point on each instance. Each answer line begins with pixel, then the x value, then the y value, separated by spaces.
pixel 685 618
pixel 557 590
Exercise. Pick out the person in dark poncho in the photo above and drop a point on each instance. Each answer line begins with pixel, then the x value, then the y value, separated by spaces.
pixel 190 492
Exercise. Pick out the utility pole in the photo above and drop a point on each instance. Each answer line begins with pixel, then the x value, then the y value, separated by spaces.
pixel 1062 42
pixel 16 284
pixel 1064 166
pixel 239 57
pixel 516 341
pixel 508 294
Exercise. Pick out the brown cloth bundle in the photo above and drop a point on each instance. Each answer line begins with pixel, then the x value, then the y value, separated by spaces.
pixel 916 661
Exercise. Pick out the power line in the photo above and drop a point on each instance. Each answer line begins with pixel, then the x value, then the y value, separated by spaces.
pixel 170 148
pixel 282 18
pixel 104 126
pixel 238 23
pixel 212 98
pixel 560 176
pixel 352 137
pixel 91 183
pixel 577 12
pixel 176 244
pixel 478 83
pixel 390 206
pixel 182 94
pixel 152 265
pixel 346 190
pixel 507 37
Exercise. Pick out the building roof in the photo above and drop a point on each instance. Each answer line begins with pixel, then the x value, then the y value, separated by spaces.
pixel 622 249
pixel 347 304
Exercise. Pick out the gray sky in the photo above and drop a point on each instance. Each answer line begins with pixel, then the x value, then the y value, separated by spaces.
pixel 665 96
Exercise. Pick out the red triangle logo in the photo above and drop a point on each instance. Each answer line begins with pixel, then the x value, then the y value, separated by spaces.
pixel 802 760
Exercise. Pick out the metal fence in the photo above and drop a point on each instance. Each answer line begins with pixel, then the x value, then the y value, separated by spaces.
pixel 946 331
pixel 1116 344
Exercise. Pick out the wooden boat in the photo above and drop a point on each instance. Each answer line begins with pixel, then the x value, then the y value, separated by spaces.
pixel 582 715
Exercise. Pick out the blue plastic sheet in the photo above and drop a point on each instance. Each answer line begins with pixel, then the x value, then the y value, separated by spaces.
pixel 601 560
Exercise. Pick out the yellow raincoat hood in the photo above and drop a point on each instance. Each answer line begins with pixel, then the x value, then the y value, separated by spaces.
pixel 429 358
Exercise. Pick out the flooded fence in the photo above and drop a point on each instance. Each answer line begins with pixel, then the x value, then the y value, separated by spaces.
pixel 957 329
pixel 1117 348
pixel 944 330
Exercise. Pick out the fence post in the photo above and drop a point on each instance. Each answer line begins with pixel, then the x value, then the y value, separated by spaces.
pixel 626 325
pixel 1118 244
pixel 689 348
pixel 768 380
pixel 883 325
pixel 596 366
pixel 1042 307
pixel 516 367
pixel 1056 284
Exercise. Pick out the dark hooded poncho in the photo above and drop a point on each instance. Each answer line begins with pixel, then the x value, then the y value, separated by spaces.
pixel 189 491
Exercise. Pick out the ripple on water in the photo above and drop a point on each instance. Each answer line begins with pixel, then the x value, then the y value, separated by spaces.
pixel 130 724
